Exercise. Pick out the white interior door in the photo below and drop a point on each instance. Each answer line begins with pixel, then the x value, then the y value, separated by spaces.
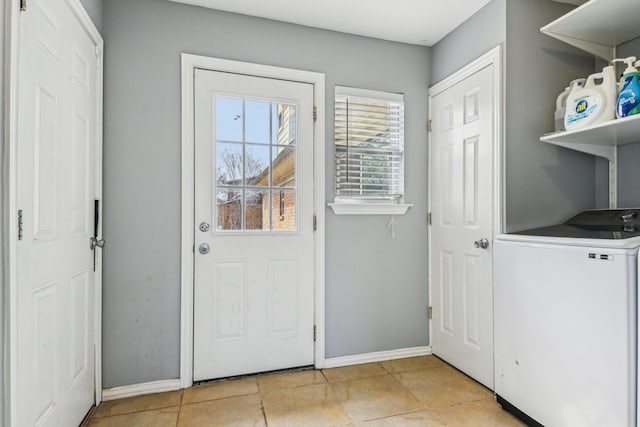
pixel 253 280
pixel 56 187
pixel 462 203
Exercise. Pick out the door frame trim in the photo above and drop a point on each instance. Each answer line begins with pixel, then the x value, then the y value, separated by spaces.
pixel 9 199
pixel 493 57
pixel 189 64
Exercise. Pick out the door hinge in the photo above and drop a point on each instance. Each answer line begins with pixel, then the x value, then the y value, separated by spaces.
pixel 315 333
pixel 430 312
pixel 315 223
pixel 23 5
pixel 96 217
pixel 20 225
pixel 429 218
pixel 429 125
pixel 315 113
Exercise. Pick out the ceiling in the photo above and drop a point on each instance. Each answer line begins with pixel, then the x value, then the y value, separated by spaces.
pixel 421 22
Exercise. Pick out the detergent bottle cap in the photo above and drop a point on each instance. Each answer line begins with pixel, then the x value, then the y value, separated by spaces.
pixel 630 68
pixel 577 82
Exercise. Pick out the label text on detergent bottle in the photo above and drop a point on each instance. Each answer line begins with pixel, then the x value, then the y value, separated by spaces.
pixel 628 103
pixel 584 107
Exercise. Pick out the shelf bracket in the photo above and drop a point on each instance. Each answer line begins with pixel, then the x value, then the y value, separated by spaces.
pixel 613 179
pixel 602 51
pixel 606 151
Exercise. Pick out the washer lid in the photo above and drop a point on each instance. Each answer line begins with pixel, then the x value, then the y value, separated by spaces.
pixel 607 219
pixel 585 232
pixel 601 224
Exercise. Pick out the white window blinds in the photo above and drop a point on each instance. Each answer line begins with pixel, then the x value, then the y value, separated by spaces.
pixel 369 140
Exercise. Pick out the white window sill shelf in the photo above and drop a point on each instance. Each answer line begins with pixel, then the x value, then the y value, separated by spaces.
pixel 369 208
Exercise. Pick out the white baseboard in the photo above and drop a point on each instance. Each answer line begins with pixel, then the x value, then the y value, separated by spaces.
pixel 378 356
pixel 140 389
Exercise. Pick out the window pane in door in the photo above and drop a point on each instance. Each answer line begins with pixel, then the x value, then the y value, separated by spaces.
pixel 257 127
pixel 256 162
pixel 229 119
pixel 256 209
pixel 229 161
pixel 285 123
pixel 284 166
pixel 283 210
pixel 229 208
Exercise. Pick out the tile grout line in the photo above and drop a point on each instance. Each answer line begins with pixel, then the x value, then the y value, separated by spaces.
pixel 163 406
pixel 135 412
pixel 335 396
pixel 406 413
pixel 391 374
pixel 432 410
pixel 264 413
pixel 424 406
pixel 389 416
pixel 180 407
pixel 467 402
pixel 386 372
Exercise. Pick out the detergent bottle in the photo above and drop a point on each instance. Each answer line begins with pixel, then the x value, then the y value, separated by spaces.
pixel 561 105
pixel 629 98
pixel 594 103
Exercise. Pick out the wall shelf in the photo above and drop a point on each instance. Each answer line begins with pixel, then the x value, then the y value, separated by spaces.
pixel 598 26
pixel 345 208
pixel 600 139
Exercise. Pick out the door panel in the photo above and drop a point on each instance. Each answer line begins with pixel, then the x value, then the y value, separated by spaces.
pixel 55 372
pixel 462 206
pixel 446 294
pixel 470 189
pixel 230 301
pixel 45 165
pixel 253 289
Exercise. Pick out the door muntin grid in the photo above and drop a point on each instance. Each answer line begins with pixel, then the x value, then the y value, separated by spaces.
pixel 255 164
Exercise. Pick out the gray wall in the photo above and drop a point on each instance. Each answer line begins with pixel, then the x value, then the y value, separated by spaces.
pixel 544 184
pixel 94 9
pixel 376 286
pixel 477 35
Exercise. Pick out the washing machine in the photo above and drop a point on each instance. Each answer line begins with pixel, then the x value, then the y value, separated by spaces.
pixel 565 319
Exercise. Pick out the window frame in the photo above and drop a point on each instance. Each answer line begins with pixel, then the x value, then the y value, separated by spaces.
pixel 346 205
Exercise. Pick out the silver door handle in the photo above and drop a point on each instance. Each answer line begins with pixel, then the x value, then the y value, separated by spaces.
pixel 96 243
pixel 204 249
pixel 482 243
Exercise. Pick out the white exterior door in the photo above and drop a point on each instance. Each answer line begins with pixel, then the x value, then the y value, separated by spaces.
pixel 56 187
pixel 462 201
pixel 253 280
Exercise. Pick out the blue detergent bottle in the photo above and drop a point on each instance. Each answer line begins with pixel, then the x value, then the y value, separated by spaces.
pixel 629 98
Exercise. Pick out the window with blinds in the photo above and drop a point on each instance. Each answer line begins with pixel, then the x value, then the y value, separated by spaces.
pixel 369 141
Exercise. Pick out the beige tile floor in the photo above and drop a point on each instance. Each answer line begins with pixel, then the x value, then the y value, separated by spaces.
pixel 418 391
